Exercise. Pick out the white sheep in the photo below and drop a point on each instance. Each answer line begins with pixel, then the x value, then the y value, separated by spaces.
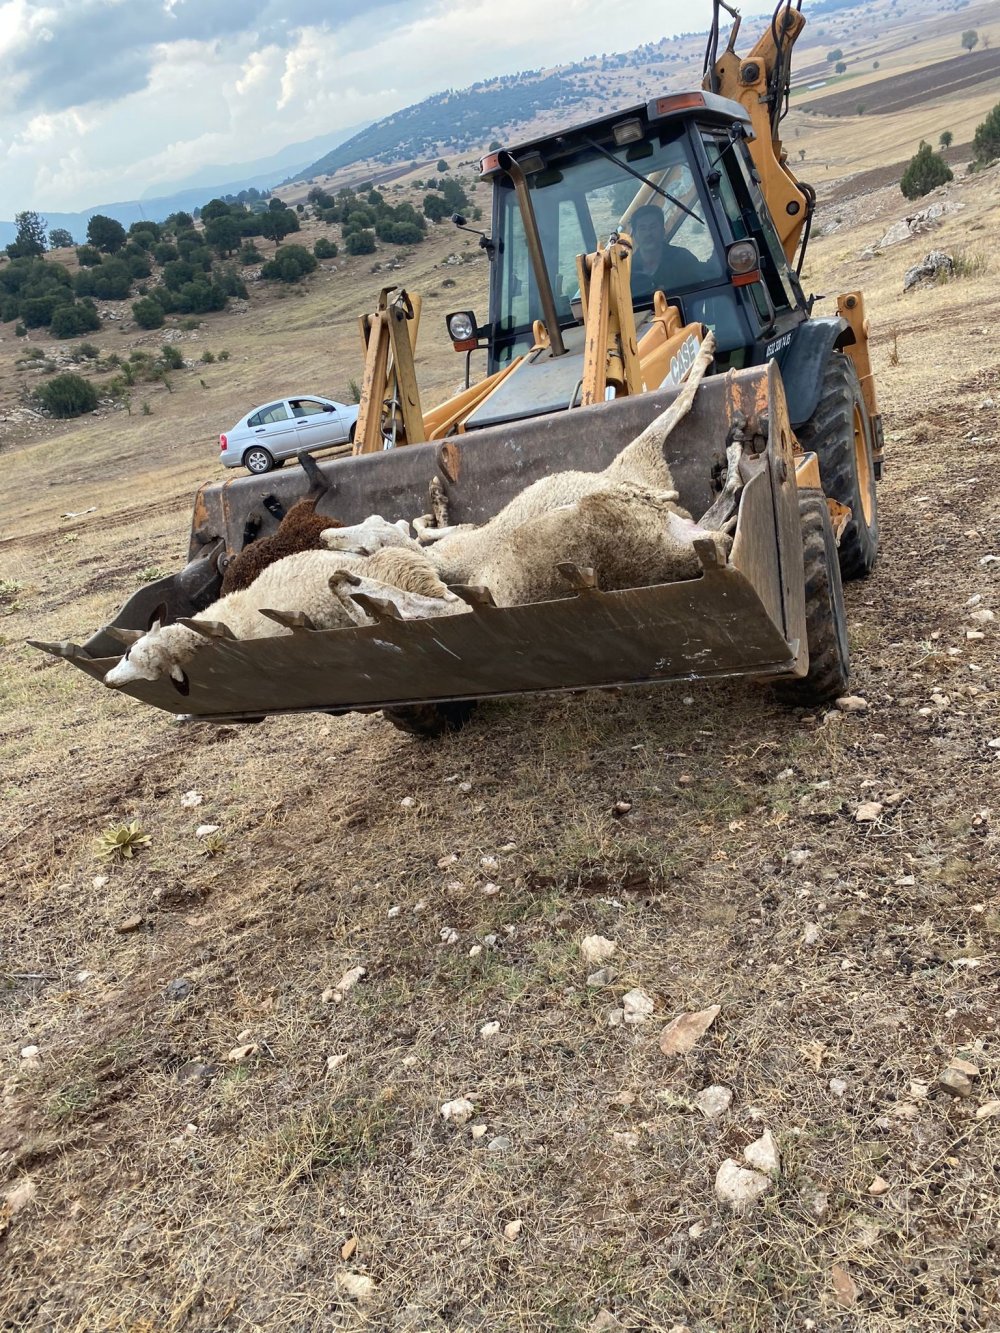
pixel 463 556
pixel 370 536
pixel 316 584
pixel 630 536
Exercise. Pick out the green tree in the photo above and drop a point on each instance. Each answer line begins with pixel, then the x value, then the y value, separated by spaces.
pixel 59 238
pixel 836 54
pixel 88 256
pixel 986 140
pixel 69 321
pixel 360 242
pixel 970 39
pixel 223 233
pixel 840 67
pixel 30 237
pixel 946 139
pixel 925 171
pixel 442 166
pixel 215 208
pixel 277 223
pixel 289 264
pixel 324 249
pixel 436 208
pixel 105 233
pixel 67 396
pixel 148 314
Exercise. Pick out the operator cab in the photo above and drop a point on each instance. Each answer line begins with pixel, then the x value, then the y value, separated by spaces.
pixel 678 166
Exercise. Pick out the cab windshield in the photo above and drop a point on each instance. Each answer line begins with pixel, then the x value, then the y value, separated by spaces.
pixel 579 202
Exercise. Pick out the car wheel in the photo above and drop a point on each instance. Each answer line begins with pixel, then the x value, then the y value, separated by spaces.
pixel 258 460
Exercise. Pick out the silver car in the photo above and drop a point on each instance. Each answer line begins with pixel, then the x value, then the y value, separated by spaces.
pixel 268 435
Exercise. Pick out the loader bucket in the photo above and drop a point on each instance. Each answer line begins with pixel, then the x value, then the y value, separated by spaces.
pixel 742 617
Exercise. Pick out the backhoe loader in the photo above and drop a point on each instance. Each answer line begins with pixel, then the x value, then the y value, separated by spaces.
pixel 614 247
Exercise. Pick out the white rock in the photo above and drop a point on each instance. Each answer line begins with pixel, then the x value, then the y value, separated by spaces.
pixel 447 861
pixel 868 812
pixel 696 1230
pixel 989 1110
pixel 838 1087
pixel 409 803
pixel 852 703
pixel 335 1061
pixel 490 864
pixel 409 1062
pixel 99 881
pixel 29 1052
pixel 811 933
pixel 637 1007
pixel 393 912
pixel 513 1229
pixel 335 994
pixel 763 1155
pixel 206 830
pixel 738 1185
pixel 604 976
pixel 465 787
pixel 478 1131
pixel 714 1100
pixel 983 616
pixel 490 889
pixel 191 800
pixel 508 847
pixel 628 1138
pixel 595 949
pixel 475 951
pixel 449 935
pixel 489 1030
pixel 358 1286
pixel 459 1111
pixel 798 857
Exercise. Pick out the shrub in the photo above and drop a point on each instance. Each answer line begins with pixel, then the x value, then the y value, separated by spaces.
pixel 290 263
pixel 200 296
pixel 67 395
pixel 172 357
pixel 37 311
pixel 925 172
pixel 88 256
pixel 148 313
pixel 442 165
pixel 435 207
pixel 224 355
pixel 324 249
pixel 68 321
pixel 139 266
pixel 360 243
pixel 405 233
pixel 840 67
pixel 970 39
pixel 946 139
pixel 231 283
pixel 208 357
pixel 164 252
pixel 111 281
pixel 105 233
pixel 88 352
pixel 177 273
pixel 249 254
pixel 834 55
pixel 986 140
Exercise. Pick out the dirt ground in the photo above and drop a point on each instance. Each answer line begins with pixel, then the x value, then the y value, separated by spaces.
pixel 886 96
pixel 207 1139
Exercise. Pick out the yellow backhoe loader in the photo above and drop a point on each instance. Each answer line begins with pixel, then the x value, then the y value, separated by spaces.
pixel 614 247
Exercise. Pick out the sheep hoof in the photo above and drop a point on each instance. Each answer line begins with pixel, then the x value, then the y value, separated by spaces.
pixel 583 580
pixel 473 594
pixel 341 577
pixel 293 620
pixel 208 629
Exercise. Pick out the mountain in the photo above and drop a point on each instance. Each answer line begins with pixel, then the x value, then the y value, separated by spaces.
pixel 192 192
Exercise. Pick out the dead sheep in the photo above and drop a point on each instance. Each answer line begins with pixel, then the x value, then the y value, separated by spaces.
pixel 630 536
pixel 299 530
pixel 463 556
pixel 316 584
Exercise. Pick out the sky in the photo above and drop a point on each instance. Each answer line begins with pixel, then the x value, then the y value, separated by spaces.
pixel 101 99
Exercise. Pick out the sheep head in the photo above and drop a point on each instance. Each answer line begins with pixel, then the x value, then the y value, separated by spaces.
pixel 163 651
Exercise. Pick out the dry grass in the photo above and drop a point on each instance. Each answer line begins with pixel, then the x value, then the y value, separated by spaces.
pixel 179 1189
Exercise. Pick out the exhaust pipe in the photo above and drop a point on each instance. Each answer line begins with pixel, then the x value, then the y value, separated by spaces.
pixel 510 165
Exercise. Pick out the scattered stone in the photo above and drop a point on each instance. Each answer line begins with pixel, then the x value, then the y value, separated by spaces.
pixel 984 616
pixel 334 1062
pixel 714 1101
pixel 811 934
pixel 478 1131
pixel 489 1030
pixel 191 800
pixel 180 988
pixel 349 1248
pixel 989 1110
pixel 955 1082
pixel 459 1111
pixel 464 788
pixel 637 1007
pixel 628 1138
pixel 242 1052
pixel 852 703
pixel 798 857
pixel 99 881
pixel 335 994
pixel 604 976
pixel 683 1032
pixel 490 890
pixel 449 935
pixel 206 830
pixel 878 1187
pixel 475 951
pixel 595 949
pixel 605 1322
pixel 820 1205
pixel 844 1287
pixel 197 1070
pixel 29 1052
pixel 508 847
pixel 868 812
pixel 130 924
pixel 696 1230
pixel 500 1144
pixel 16 1198
pixel 358 1286
pixel 933 263
pixel 614 1017
pixel 393 912
pixel 621 808
pixel 964 1066
pixel 763 1154
pixel 925 219
pixel 447 861
pixel 408 803
pixel 409 1062
pixel 513 1229
pixel 738 1185
pixel 838 1087
pixel 490 864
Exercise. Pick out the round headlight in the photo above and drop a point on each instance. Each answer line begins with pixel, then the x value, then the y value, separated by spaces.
pixel 742 257
pixel 461 327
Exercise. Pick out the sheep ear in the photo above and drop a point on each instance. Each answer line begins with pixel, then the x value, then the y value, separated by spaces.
pixel 177 674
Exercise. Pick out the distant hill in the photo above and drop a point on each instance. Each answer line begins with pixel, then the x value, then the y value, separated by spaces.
pixel 189 193
pixel 457 121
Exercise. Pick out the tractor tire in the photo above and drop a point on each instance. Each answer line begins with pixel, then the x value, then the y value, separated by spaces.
pixel 430 720
pixel 826 619
pixel 840 434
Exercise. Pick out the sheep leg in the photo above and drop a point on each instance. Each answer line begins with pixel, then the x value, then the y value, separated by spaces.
pixel 438 501
pixel 310 467
pixel 720 514
pixel 427 532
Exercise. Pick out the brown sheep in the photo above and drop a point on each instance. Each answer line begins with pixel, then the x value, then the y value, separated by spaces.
pixel 299 530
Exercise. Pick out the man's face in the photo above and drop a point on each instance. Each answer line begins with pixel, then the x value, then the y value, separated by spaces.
pixel 648 234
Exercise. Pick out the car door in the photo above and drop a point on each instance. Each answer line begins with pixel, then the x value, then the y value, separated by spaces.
pixel 275 429
pixel 317 423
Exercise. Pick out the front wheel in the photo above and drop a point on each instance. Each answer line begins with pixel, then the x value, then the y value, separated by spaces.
pixel 258 460
pixel 430 720
pixel 840 434
pixel 826 618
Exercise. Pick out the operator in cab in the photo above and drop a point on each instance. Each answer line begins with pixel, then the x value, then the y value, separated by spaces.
pixel 657 265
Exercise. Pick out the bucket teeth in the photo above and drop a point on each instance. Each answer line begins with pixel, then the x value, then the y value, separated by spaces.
pixel 125 636
pixel 379 608
pixel 583 580
pixel 293 620
pixel 711 553
pixel 209 629
pixel 474 594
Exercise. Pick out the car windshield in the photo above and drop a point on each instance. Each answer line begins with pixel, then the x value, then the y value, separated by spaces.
pixel 589 196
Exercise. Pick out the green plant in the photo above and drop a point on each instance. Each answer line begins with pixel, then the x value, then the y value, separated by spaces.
pixel 970 39
pixel 986 140
pixel 172 357
pixel 189 324
pixel 324 249
pixel 147 411
pixel 67 395
pixel 925 171
pixel 354 390
pixel 946 139
pixel 148 313
pixel 207 357
pixel 224 355
pixel 120 841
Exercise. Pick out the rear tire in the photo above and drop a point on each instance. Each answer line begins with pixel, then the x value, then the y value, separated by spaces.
pixel 840 433
pixel 430 720
pixel 258 460
pixel 826 618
